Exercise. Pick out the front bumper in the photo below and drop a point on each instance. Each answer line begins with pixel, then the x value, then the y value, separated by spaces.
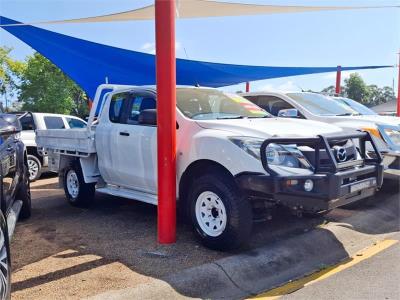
pixel 334 184
pixel 330 190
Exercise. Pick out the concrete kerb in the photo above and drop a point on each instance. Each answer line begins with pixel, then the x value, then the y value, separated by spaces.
pixel 252 272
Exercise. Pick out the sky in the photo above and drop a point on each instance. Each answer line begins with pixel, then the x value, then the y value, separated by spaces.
pixel 347 38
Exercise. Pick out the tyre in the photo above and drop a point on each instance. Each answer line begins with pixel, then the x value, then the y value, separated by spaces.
pixel 35 168
pixel 24 194
pixel 221 217
pixel 78 192
pixel 5 261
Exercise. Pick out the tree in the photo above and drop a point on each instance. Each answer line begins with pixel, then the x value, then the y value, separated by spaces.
pixel 330 90
pixel 10 72
pixel 45 88
pixel 355 88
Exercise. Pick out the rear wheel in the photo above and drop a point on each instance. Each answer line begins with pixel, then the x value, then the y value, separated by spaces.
pixel 5 262
pixel 221 217
pixel 78 192
pixel 35 168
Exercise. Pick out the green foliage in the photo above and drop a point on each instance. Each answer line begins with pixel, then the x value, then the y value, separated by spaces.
pixel 355 88
pixel 10 71
pixel 45 88
pixel 330 90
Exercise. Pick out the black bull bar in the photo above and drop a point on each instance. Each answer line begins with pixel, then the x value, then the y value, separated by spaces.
pixel 335 183
pixel 322 143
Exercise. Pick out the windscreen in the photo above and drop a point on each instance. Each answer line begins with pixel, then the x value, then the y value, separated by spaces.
pixel 210 104
pixel 321 105
pixel 360 108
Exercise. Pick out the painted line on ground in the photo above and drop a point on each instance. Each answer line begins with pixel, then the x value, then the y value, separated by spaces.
pixel 326 272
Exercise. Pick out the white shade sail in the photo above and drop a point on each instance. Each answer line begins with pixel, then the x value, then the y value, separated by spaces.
pixel 203 9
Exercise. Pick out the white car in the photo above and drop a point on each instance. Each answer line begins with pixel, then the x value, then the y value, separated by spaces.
pixel 32 121
pixel 234 160
pixel 318 107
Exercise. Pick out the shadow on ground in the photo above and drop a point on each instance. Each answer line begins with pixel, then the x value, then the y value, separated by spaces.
pixel 112 245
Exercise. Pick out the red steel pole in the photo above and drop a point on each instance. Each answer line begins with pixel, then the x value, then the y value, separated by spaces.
pixel 166 119
pixel 247 87
pixel 338 80
pixel 398 91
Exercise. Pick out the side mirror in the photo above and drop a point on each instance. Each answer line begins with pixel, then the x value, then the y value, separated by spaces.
pixel 9 124
pixel 288 113
pixel 148 117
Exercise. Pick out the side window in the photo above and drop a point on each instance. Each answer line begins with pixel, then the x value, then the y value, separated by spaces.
pixel 54 122
pixel 137 104
pixel 116 107
pixel 75 123
pixel 273 104
pixel 27 122
pixel 253 99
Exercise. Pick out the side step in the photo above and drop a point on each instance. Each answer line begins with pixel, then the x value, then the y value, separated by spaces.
pixel 128 193
pixel 13 217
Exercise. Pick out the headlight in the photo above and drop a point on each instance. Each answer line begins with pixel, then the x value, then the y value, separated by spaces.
pixel 287 156
pixel 393 135
pixel 250 145
pixel 276 154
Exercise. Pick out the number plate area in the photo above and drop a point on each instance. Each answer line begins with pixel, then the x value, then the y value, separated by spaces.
pixel 362 185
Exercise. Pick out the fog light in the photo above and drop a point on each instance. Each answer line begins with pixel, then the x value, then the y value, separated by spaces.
pixel 308 185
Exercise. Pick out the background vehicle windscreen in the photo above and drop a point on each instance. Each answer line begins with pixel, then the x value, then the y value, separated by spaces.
pixel 27 122
pixel 75 123
pixel 322 105
pixel 203 104
pixel 360 108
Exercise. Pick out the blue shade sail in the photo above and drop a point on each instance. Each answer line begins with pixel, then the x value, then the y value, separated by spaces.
pixel 90 64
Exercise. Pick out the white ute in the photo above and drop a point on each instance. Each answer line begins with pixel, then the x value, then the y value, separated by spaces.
pixel 32 121
pixel 234 161
pixel 341 112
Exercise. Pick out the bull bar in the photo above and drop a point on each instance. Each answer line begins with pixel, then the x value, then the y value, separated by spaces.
pixel 335 183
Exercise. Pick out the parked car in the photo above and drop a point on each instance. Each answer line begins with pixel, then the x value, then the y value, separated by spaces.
pixel 349 115
pixel 234 160
pixel 32 121
pixel 15 192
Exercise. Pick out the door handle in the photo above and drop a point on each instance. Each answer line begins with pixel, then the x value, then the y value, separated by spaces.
pixel 124 133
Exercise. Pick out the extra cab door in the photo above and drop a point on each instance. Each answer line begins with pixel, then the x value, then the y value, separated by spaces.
pixel 126 149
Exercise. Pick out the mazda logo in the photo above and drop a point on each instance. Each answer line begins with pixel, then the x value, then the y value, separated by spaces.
pixel 341 154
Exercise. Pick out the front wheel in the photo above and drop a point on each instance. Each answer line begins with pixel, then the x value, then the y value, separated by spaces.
pixel 221 217
pixel 78 192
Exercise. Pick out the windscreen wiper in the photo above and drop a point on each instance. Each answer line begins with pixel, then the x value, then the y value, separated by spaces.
pixel 345 114
pixel 231 117
pixel 262 117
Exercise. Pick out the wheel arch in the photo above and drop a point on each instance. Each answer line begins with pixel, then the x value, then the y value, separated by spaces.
pixel 32 150
pixel 64 162
pixel 194 170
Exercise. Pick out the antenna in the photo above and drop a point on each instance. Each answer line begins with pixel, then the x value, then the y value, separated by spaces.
pixel 187 57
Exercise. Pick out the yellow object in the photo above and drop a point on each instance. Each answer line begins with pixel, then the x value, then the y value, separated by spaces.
pixel 325 273
pixel 373 131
